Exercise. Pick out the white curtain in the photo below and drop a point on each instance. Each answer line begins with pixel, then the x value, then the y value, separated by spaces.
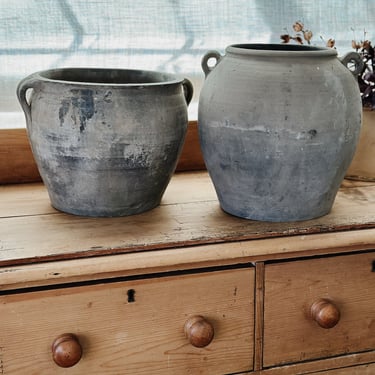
pixel 165 35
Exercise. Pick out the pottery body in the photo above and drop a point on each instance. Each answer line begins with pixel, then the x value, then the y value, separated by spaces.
pixel 106 141
pixel 278 128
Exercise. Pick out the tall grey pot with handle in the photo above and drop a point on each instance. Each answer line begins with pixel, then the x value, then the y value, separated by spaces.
pixel 106 141
pixel 278 127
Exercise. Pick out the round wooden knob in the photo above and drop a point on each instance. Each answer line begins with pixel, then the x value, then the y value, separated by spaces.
pixel 199 331
pixel 325 313
pixel 66 350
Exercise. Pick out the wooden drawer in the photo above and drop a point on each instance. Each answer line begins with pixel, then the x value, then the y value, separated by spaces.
pixel 291 288
pixel 140 334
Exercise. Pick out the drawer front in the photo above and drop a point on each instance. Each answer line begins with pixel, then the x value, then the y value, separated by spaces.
pixel 338 288
pixel 133 327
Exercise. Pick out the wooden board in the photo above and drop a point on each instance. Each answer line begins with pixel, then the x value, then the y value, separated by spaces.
pixel 191 158
pixel 351 364
pixel 16 160
pixel 357 370
pixel 290 332
pixel 144 335
pixel 185 258
pixel 30 230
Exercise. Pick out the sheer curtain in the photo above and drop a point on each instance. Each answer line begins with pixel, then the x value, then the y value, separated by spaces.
pixel 165 35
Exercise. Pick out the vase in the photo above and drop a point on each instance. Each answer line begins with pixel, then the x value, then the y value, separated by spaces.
pixel 278 127
pixel 106 141
pixel 362 167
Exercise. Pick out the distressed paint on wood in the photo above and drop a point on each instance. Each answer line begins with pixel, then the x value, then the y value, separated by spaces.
pixel 30 230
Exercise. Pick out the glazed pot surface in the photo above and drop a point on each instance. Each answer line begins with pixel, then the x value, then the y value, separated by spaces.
pixel 278 128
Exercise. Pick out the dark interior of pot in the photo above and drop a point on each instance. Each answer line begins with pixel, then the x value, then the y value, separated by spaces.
pixel 107 76
pixel 278 47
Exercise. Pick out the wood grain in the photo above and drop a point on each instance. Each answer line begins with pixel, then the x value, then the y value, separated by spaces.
pixel 351 364
pixel 143 336
pixel 189 215
pixel 16 160
pixel 291 288
pixel 185 258
pixel 356 370
pixel 191 158
pixel 32 199
pixel 40 246
pixel 259 315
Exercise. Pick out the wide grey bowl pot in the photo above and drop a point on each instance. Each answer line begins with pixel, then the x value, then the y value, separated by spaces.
pixel 278 128
pixel 106 141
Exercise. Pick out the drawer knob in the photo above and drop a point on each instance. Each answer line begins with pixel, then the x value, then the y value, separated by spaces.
pixel 199 331
pixel 325 313
pixel 66 350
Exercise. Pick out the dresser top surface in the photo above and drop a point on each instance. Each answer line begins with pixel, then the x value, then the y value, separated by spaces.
pixel 32 231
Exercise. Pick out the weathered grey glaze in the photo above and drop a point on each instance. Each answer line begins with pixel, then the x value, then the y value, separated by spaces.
pixel 106 141
pixel 278 128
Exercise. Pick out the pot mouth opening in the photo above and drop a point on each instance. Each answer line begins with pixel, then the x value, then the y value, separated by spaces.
pixel 103 76
pixel 282 49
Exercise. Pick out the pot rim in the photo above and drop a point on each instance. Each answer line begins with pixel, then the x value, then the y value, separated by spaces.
pixel 281 49
pixel 56 76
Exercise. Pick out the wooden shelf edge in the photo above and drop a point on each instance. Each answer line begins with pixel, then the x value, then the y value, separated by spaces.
pixel 187 258
pixel 348 362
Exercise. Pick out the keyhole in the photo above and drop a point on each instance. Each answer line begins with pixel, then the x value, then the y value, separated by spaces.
pixel 131 295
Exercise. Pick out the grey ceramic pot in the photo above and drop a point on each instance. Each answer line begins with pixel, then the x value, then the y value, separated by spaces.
pixel 106 141
pixel 278 127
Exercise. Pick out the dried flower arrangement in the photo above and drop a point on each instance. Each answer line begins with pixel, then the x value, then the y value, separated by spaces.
pixel 302 35
pixel 298 27
pixel 366 78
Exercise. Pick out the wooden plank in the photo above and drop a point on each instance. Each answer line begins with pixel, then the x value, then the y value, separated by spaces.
pixel 197 220
pixel 191 158
pixel 259 315
pixel 351 364
pixel 16 160
pixel 290 332
pixel 143 336
pixel 348 183
pixel 355 370
pixel 185 258
pixel 32 199
pixel 24 199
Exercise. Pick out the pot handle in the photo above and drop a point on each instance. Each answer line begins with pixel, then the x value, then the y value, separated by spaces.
pixel 354 62
pixel 210 55
pixel 26 84
pixel 188 90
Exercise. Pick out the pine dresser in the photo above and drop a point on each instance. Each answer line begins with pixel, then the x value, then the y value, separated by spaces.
pixel 186 288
